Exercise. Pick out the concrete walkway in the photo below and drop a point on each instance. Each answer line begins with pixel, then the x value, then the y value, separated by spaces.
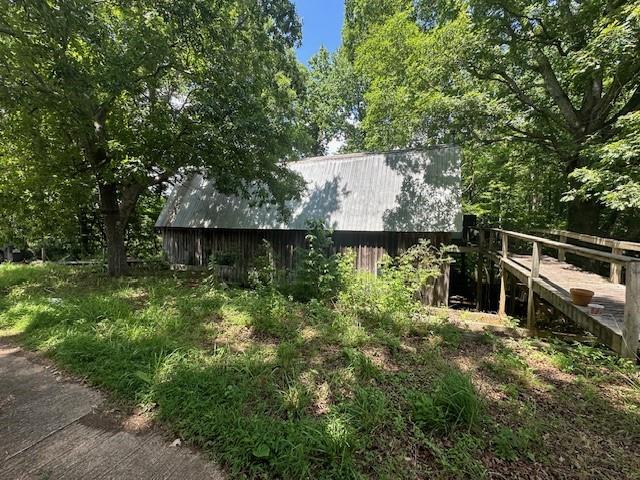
pixel 52 428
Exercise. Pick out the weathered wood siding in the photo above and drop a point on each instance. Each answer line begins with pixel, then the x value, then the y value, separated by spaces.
pixel 194 247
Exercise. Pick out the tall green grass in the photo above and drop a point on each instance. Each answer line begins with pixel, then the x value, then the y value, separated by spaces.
pixel 452 402
pixel 271 387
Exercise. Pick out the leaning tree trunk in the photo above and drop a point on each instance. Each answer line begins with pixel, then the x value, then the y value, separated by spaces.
pixel 114 228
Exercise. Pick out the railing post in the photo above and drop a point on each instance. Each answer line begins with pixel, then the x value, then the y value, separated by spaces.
pixel 480 269
pixel 631 329
pixel 491 249
pixel 502 306
pixel 535 273
pixel 615 273
pixel 561 252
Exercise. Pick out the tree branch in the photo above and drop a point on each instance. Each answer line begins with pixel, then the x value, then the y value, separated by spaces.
pixel 511 84
pixel 558 95
pixel 7 31
pixel 130 194
pixel 632 104
pixel 545 141
pixel 546 39
pixel 606 103
pixel 592 95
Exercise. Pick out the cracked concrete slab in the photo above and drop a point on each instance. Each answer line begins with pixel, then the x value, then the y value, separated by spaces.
pixel 53 428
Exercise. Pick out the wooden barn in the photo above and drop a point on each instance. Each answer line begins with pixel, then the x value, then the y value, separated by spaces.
pixel 374 202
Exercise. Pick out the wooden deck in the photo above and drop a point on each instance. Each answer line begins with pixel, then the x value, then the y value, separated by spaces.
pixel 552 278
pixel 553 284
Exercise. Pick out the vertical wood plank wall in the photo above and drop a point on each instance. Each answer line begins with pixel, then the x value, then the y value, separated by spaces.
pixel 194 247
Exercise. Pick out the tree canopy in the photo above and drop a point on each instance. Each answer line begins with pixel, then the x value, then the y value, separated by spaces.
pixel 124 95
pixel 544 97
pixel 333 102
pixel 103 105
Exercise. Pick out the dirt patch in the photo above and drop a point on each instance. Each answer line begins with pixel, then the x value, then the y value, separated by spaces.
pixel 239 339
pixel 322 399
pixel 468 316
pixel 101 421
pixel 137 422
pixel 379 356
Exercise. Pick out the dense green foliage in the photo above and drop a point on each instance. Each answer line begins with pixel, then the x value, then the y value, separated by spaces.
pixel 324 371
pixel 453 402
pixel 321 274
pixel 273 388
pixel 543 96
pixel 42 206
pixel 317 273
pixel 104 102
pixel 334 104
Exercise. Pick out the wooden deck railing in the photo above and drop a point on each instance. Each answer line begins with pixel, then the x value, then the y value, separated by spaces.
pixel 631 329
pixel 618 247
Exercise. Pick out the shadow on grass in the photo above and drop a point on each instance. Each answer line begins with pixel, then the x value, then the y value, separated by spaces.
pixel 311 393
pixel 567 425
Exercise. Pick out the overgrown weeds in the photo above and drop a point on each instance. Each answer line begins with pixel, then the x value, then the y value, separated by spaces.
pixel 362 385
pixel 451 402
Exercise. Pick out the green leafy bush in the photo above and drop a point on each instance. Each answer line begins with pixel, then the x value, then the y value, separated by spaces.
pixel 321 274
pixel 411 271
pixel 389 299
pixel 219 264
pixel 317 274
pixel 586 360
pixel 262 275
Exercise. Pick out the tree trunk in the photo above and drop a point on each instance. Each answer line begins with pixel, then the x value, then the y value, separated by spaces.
pixel 83 223
pixel 114 228
pixel 585 216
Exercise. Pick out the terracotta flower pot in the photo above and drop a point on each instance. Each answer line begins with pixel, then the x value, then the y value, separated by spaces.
pixel 581 296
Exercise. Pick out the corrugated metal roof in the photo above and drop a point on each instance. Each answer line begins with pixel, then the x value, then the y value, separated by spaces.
pixel 398 191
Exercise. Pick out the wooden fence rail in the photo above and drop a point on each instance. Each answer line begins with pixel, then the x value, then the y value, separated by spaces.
pixel 618 247
pixel 489 248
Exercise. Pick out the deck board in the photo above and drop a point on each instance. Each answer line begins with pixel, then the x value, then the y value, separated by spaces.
pixel 561 277
pixel 555 281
